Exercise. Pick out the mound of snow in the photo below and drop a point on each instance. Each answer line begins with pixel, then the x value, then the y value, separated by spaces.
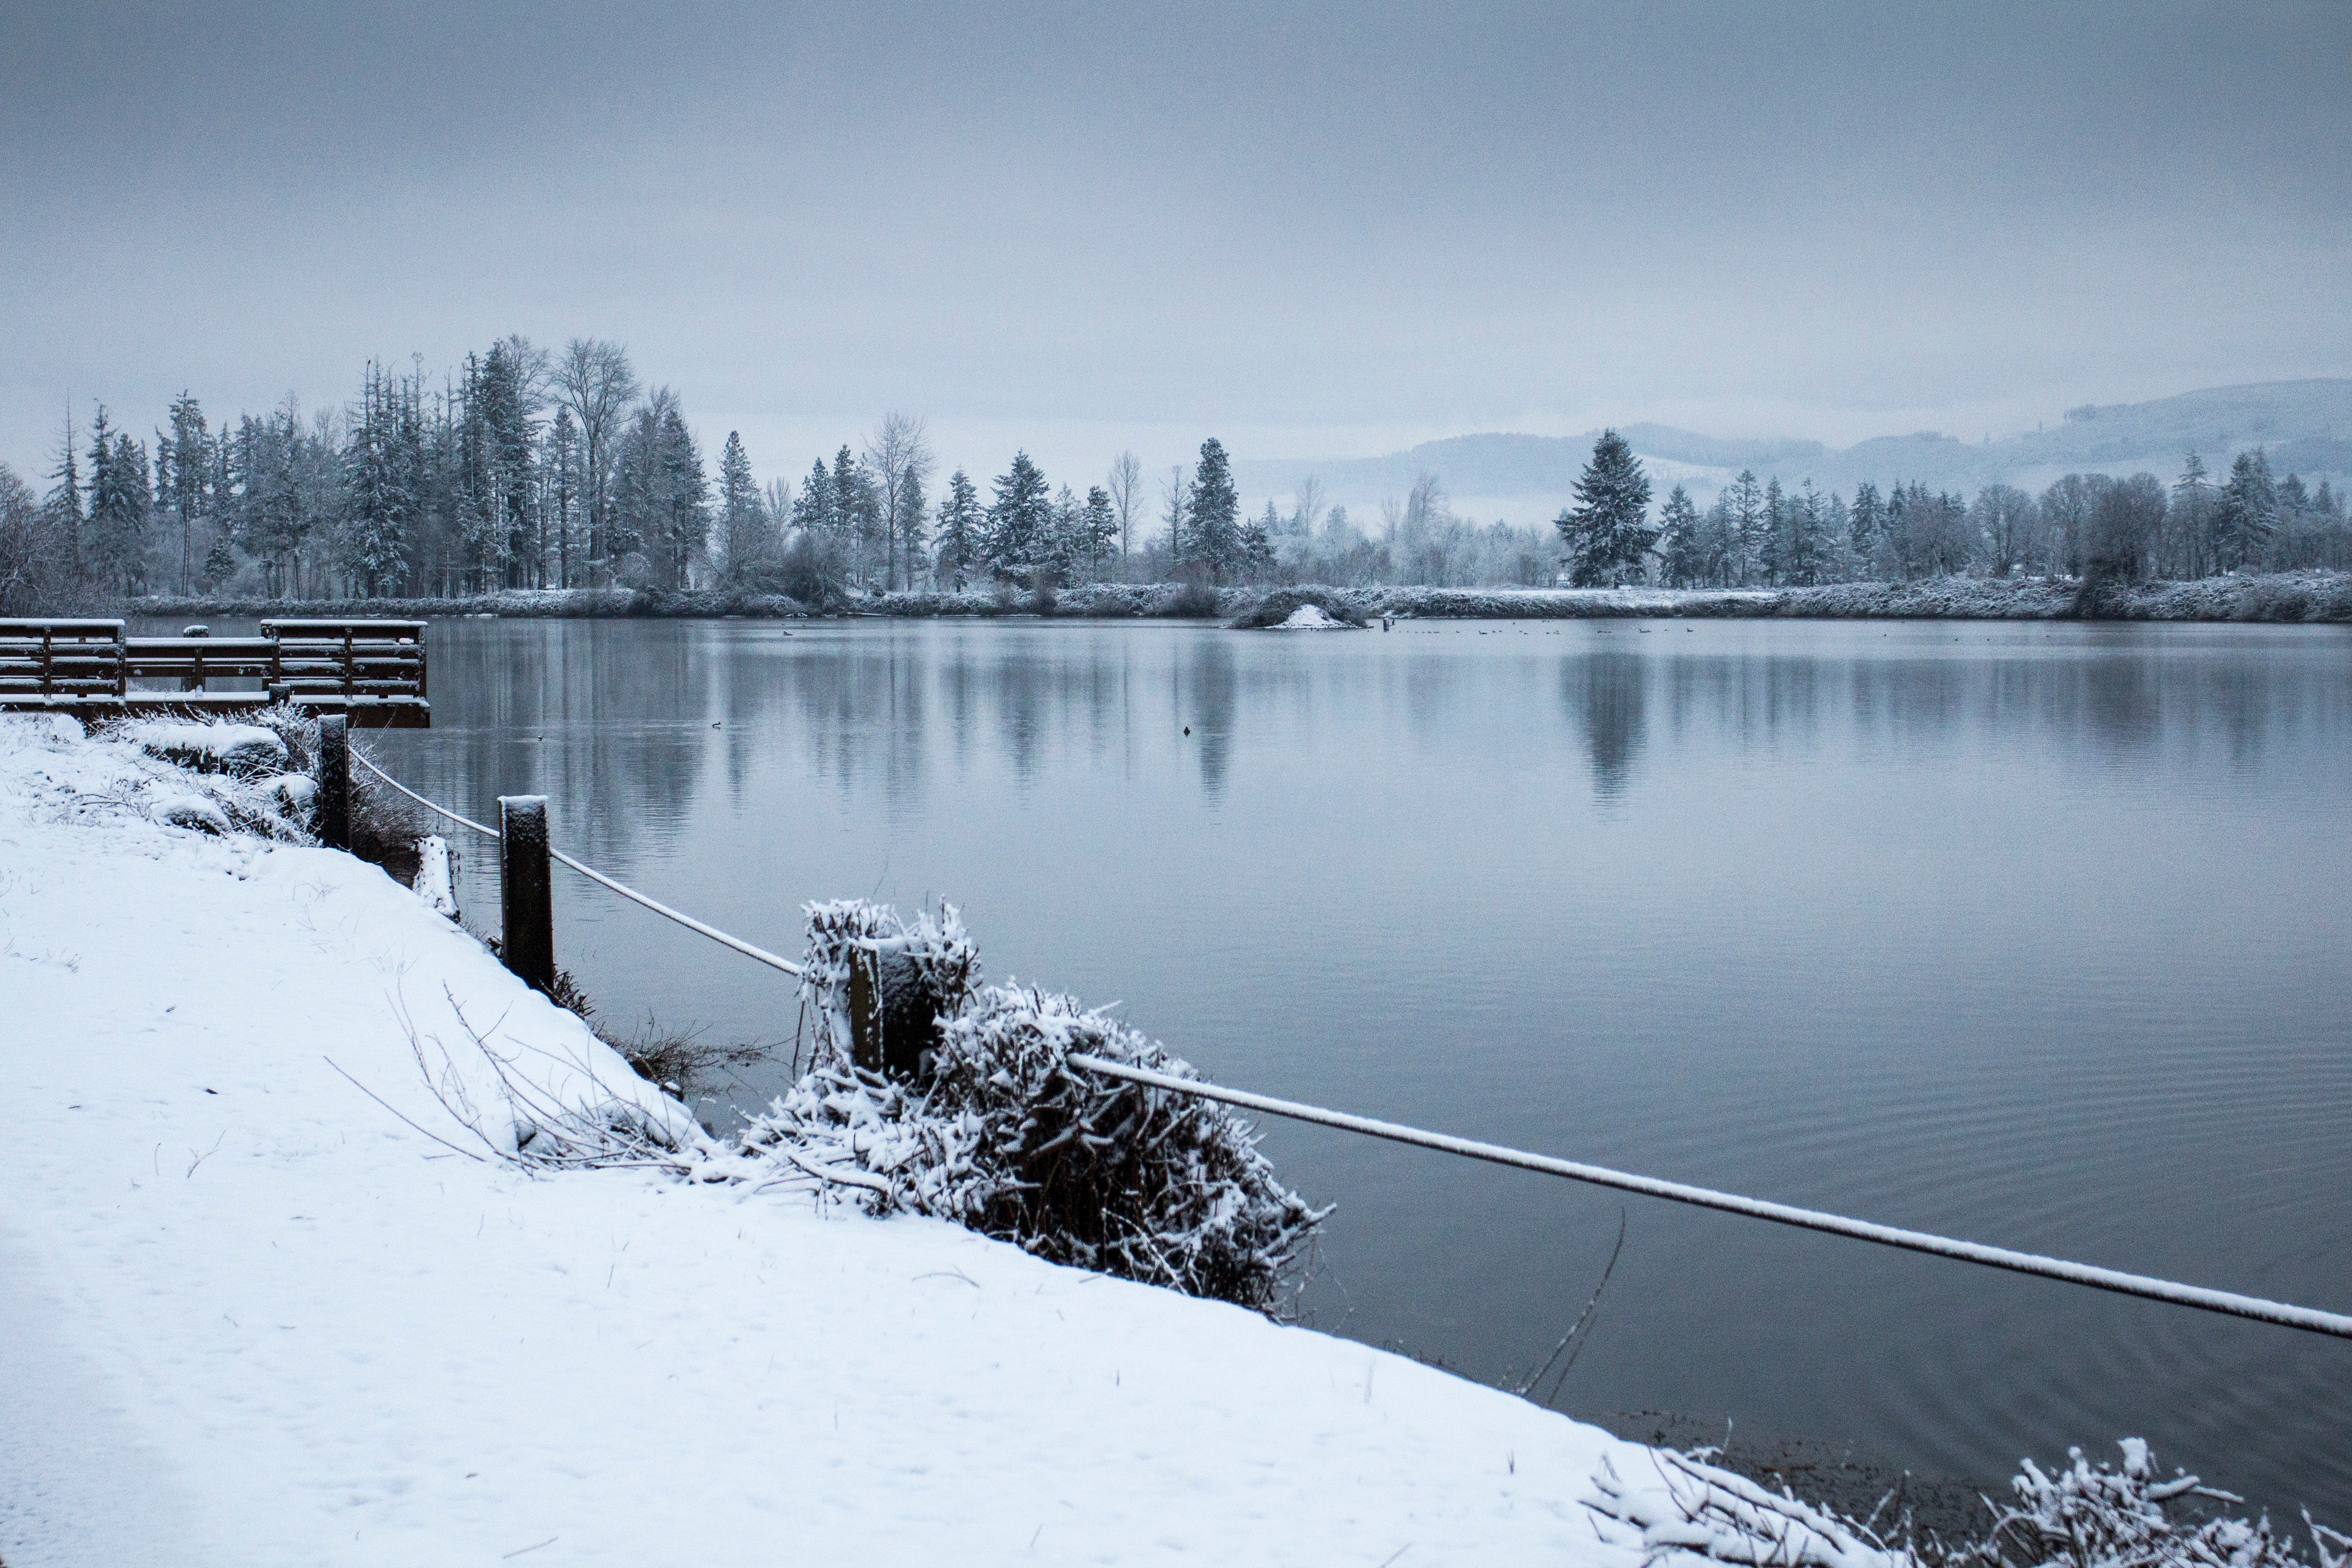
pixel 1310 619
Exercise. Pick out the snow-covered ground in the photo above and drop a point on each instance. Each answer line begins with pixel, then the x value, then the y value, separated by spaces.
pixel 253 1312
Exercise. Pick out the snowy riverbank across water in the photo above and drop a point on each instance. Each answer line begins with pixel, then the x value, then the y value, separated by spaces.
pixel 2287 596
pixel 253 1312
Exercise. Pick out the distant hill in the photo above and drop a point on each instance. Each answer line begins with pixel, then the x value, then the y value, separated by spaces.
pixel 2305 426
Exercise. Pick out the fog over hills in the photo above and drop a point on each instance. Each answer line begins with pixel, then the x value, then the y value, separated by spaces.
pixel 2305 426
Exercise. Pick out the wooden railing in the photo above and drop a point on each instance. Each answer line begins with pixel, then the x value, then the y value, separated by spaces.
pixel 374 671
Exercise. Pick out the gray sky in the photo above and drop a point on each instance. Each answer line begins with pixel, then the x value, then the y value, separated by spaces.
pixel 1308 230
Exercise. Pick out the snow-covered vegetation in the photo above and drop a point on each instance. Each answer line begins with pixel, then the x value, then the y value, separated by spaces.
pixel 1001 1134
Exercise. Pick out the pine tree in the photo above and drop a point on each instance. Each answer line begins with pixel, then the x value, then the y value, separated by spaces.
pixel 1255 555
pixel 119 504
pixel 1213 508
pixel 1774 544
pixel 186 473
pixel 816 511
pixel 2249 510
pixel 1681 553
pixel 2192 517
pixel 1101 530
pixel 740 511
pixel 1608 532
pixel 380 508
pixel 1746 500
pixel 1866 521
pixel 61 507
pixel 683 497
pixel 959 530
pixel 1019 520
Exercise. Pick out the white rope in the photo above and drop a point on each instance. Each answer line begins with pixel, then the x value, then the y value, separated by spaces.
pixel 2198 1296
pixel 464 821
pixel 688 922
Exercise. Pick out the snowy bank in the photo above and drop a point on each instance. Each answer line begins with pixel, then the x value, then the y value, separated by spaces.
pixel 2285 596
pixel 255 1311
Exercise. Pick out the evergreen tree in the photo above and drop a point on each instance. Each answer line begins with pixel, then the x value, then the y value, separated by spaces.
pixel 1019 520
pixel 1773 552
pixel 1745 499
pixel 960 530
pixel 562 486
pixel 1099 533
pixel 183 464
pixel 1608 532
pixel 2249 511
pixel 1256 560
pixel 741 515
pixel 119 504
pixel 1213 508
pixel 2192 515
pixel 61 510
pixel 1865 522
pixel 816 511
pixel 1681 553
pixel 908 532
pixel 380 510
pixel 683 498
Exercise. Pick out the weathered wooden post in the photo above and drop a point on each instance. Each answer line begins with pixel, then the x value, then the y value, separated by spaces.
pixel 526 900
pixel 866 1009
pixel 279 692
pixel 335 782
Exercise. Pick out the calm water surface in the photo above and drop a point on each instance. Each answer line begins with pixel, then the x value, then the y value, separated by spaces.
pixel 2032 934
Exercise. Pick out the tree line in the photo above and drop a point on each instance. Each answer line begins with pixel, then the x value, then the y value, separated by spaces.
pixel 1762 534
pixel 527 469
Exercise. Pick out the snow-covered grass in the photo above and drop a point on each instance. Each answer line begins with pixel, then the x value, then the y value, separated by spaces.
pixel 263 1299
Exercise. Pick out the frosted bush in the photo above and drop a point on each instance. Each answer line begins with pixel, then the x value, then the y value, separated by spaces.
pixel 999 1133
pixel 2078 1516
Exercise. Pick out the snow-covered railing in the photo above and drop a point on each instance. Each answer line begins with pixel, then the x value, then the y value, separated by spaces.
pixel 2201 1297
pixel 724 939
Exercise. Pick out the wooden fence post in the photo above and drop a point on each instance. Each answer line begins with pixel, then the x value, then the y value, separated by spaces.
pixel 526 900
pixel 335 782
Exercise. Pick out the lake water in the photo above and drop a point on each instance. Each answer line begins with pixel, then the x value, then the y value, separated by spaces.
pixel 2032 934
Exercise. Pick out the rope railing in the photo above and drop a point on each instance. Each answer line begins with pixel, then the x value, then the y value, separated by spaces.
pixel 2099 1278
pixel 2227 1302
pixel 724 939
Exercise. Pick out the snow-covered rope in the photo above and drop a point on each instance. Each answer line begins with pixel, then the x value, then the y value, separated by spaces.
pixel 2198 1296
pixel 428 805
pixel 771 959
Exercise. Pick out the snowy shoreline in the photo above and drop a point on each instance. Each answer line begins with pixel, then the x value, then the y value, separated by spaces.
pixel 2323 597
pixel 302 1330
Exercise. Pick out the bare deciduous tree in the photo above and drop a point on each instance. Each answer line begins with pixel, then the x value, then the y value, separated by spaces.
pixel 1126 486
pixel 899 453
pixel 593 380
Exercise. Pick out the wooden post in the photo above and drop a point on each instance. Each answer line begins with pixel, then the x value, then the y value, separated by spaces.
pixel 526 900
pixel 280 693
pixel 865 1009
pixel 335 782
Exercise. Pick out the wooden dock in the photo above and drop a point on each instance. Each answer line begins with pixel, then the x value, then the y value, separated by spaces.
pixel 373 672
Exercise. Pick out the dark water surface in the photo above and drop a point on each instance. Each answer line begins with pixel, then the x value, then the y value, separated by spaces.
pixel 2032 934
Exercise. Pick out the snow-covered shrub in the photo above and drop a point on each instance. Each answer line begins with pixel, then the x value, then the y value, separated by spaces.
pixel 213 777
pixel 999 1133
pixel 2105 1516
pixel 2080 1516
pixel 1278 607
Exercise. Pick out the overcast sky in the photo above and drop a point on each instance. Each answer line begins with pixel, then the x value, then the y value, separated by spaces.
pixel 1309 230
